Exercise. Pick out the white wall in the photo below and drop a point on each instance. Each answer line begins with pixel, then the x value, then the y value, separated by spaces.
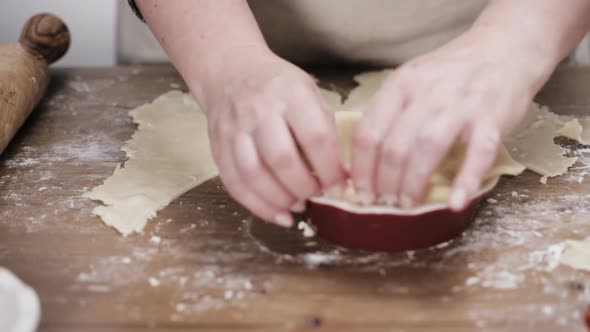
pixel 92 24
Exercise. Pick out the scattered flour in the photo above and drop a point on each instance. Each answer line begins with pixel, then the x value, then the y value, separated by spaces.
pixel 315 259
pixel 24 162
pixel 307 229
pixel 153 282
pixel 99 288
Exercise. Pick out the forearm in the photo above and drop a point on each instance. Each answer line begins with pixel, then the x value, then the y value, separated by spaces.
pixel 198 35
pixel 545 30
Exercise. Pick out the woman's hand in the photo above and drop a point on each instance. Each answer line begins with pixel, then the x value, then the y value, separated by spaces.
pixel 264 116
pixel 473 89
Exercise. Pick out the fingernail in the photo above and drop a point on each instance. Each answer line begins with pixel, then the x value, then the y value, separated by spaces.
pixel 284 219
pixel 406 201
pixel 366 198
pixel 389 200
pixel 298 207
pixel 457 200
pixel 334 191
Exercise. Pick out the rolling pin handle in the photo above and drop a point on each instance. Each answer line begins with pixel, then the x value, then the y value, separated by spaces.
pixel 45 36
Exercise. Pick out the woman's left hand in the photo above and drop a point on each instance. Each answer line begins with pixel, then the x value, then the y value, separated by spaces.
pixel 473 89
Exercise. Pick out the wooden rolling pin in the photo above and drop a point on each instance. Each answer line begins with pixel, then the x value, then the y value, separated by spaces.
pixel 24 70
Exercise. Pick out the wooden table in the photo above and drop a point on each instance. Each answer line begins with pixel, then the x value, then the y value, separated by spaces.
pixel 205 264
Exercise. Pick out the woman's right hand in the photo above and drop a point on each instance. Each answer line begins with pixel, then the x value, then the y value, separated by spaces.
pixel 272 134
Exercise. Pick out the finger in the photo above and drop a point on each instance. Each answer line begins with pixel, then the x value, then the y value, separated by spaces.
pixel 314 129
pixel 256 175
pixel 259 207
pixel 382 111
pixel 481 153
pixel 239 190
pixel 278 150
pixel 433 142
pixel 395 151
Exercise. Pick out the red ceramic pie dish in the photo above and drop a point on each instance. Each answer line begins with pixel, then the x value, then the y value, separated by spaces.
pixel 389 229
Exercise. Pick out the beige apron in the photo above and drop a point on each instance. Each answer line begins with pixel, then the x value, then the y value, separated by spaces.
pixel 382 32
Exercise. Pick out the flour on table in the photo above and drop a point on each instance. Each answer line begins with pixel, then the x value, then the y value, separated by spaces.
pixel 169 154
pixel 307 230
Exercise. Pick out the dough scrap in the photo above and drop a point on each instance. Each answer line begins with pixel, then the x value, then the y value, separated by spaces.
pixel 368 84
pixel 169 154
pixel 576 254
pixel 577 129
pixel 571 129
pixel 585 135
pixel 532 142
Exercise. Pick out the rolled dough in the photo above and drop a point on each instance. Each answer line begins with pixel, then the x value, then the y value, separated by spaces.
pixel 169 154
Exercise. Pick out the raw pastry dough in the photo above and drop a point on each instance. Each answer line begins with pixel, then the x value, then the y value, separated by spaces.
pixel 531 143
pixel 571 129
pixel 576 254
pixel 585 135
pixel 169 154
pixel 368 84
pixel 577 129
pixel 442 179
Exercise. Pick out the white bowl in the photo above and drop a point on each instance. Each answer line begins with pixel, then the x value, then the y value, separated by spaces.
pixel 19 305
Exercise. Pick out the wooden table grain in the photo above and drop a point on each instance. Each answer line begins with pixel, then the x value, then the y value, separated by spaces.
pixel 205 264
